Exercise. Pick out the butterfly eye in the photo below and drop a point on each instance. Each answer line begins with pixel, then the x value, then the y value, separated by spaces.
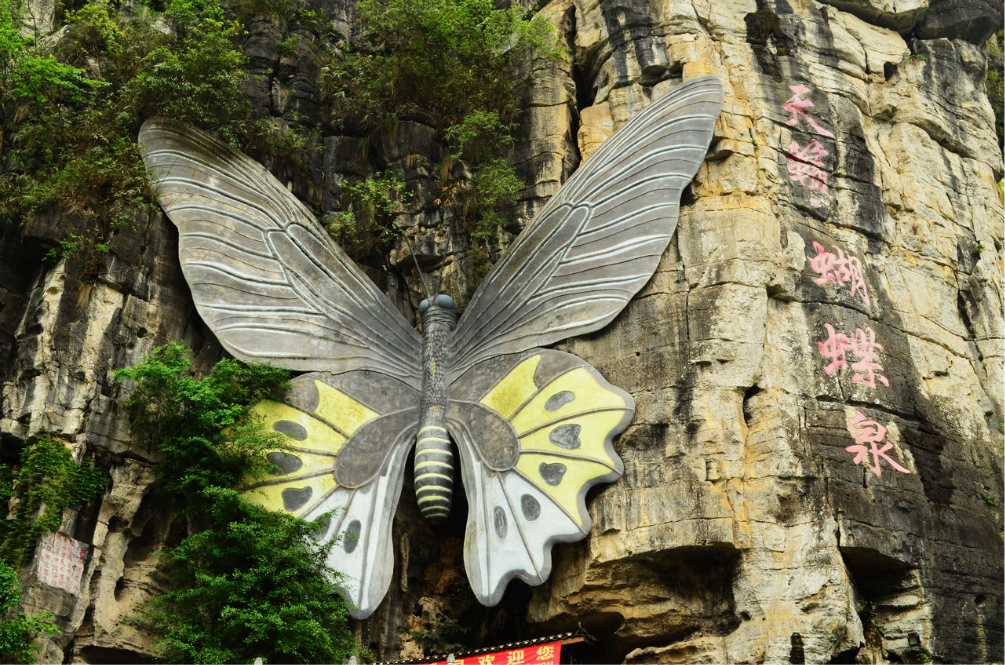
pixel 444 301
pixel 423 307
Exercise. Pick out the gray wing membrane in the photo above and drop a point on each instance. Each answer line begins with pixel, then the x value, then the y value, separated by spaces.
pixel 599 240
pixel 264 276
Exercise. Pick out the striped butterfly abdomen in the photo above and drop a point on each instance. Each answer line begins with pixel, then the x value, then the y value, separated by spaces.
pixel 434 471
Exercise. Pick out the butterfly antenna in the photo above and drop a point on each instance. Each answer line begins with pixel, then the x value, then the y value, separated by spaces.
pixel 439 277
pixel 422 278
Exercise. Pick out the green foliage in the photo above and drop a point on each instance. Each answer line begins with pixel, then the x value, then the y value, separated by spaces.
pixel 454 65
pixel 30 75
pixel 366 218
pixel 479 136
pixel 76 105
pixel 294 143
pixel 440 58
pixel 17 629
pixel 250 584
pixel 46 482
pixel 443 636
pixel 286 14
pixel 203 427
pixel 994 84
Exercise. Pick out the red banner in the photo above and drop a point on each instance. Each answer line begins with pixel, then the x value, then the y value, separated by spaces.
pixel 539 654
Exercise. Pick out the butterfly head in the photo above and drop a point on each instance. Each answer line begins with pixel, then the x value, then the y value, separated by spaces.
pixel 438 308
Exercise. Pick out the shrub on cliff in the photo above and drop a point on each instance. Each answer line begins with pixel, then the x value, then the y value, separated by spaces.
pixel 246 582
pixel 17 629
pixel 73 105
pixel 453 65
pixel 442 59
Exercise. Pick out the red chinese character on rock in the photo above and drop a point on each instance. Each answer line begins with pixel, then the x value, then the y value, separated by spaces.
pixel 865 348
pixel 833 348
pixel 869 431
pixel 806 168
pixel 797 106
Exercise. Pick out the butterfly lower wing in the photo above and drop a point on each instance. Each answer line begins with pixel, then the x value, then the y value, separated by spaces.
pixel 265 277
pixel 535 433
pixel 599 240
pixel 332 470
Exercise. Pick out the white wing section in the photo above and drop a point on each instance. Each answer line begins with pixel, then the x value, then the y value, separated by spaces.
pixel 363 522
pixel 501 543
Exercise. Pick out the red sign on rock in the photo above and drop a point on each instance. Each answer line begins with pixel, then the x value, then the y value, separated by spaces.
pixel 61 562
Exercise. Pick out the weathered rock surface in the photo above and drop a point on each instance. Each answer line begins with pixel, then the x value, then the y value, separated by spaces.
pixel 743 530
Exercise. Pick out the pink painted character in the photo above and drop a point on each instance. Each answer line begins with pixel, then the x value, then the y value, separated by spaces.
pixel 865 348
pixel 805 167
pixel 849 269
pixel 839 268
pixel 797 106
pixel 833 348
pixel 869 431
pixel 822 264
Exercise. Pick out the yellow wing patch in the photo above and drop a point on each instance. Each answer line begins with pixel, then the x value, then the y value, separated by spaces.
pixel 341 410
pixel 563 429
pixel 592 434
pixel 514 390
pixel 561 479
pixel 306 469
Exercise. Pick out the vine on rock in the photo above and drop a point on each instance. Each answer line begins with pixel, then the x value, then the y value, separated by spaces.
pixel 46 482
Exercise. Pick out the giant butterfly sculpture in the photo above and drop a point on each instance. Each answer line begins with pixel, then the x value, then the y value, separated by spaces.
pixel 533 427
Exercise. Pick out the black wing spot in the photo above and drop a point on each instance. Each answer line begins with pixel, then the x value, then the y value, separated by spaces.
pixel 350 539
pixel 286 462
pixel 566 437
pixel 294 499
pixel 552 473
pixel 325 524
pixel 558 400
pixel 531 507
pixel 291 429
pixel 499 522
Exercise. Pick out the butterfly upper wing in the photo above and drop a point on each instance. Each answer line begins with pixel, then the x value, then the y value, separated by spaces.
pixel 265 277
pixel 534 431
pixel 599 240
pixel 349 436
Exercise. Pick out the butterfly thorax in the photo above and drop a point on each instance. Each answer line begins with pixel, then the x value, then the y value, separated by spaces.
pixel 434 467
pixel 437 323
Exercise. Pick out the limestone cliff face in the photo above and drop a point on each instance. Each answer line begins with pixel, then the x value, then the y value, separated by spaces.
pixel 814 471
